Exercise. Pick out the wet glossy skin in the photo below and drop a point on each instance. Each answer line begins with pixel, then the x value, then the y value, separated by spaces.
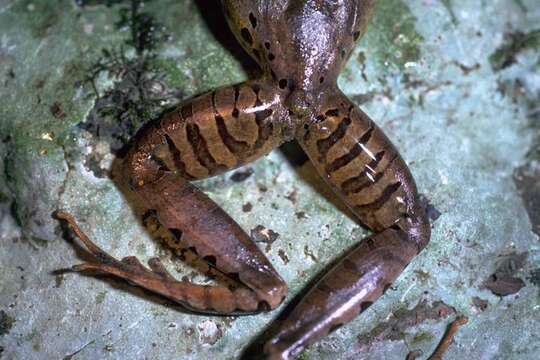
pixel 301 46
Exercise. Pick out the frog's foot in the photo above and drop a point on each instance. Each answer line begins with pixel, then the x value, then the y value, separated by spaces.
pixel 198 298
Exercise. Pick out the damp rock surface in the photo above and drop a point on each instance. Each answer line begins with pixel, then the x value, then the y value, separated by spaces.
pixel 454 83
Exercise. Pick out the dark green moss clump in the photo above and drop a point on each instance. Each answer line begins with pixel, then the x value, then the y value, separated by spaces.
pixel 6 323
pixel 535 277
pixel 140 90
pixel 392 33
pixel 514 43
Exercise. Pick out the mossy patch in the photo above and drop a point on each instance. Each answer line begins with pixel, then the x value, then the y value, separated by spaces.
pixel 39 15
pixel 100 297
pixel 514 43
pixel 139 92
pixel 6 323
pixel 393 35
pixel 138 80
pixel 421 336
pixel 535 277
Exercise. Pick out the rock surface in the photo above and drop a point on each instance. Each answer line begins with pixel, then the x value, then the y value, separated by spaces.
pixel 454 83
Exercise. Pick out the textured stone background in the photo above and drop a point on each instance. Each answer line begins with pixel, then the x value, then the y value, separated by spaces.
pixel 454 83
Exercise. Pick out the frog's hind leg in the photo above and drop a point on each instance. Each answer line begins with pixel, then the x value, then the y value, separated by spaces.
pixel 367 173
pixel 207 135
pixel 214 236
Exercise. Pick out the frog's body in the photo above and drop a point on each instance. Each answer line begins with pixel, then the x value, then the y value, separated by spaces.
pixel 301 46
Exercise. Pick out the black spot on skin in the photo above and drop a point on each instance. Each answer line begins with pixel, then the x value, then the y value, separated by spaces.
pixel 365 305
pixel 257 54
pixel 355 35
pixel 234 276
pixel 282 83
pixel 176 232
pixel 271 57
pixel 186 111
pixel 321 79
pixel 320 118
pixel 262 115
pixel 370 243
pixel 246 35
pixel 263 306
pixel 193 249
pixel 267 45
pixel 162 166
pixel 256 88
pixel 332 112
pixel 210 259
pixel 253 20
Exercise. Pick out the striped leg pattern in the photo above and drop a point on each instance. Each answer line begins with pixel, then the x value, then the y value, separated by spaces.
pixel 208 135
pixel 359 162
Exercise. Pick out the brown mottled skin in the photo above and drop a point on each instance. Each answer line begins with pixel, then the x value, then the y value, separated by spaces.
pixel 301 46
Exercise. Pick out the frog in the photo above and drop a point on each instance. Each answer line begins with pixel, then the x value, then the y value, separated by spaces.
pixel 301 47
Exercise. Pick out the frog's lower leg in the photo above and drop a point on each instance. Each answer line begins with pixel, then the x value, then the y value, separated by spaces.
pixel 344 292
pixel 214 236
pixel 157 279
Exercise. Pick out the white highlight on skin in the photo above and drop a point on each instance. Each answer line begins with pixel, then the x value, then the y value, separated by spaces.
pixel 370 154
pixel 370 168
pixel 370 177
pixel 257 108
pixel 276 100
